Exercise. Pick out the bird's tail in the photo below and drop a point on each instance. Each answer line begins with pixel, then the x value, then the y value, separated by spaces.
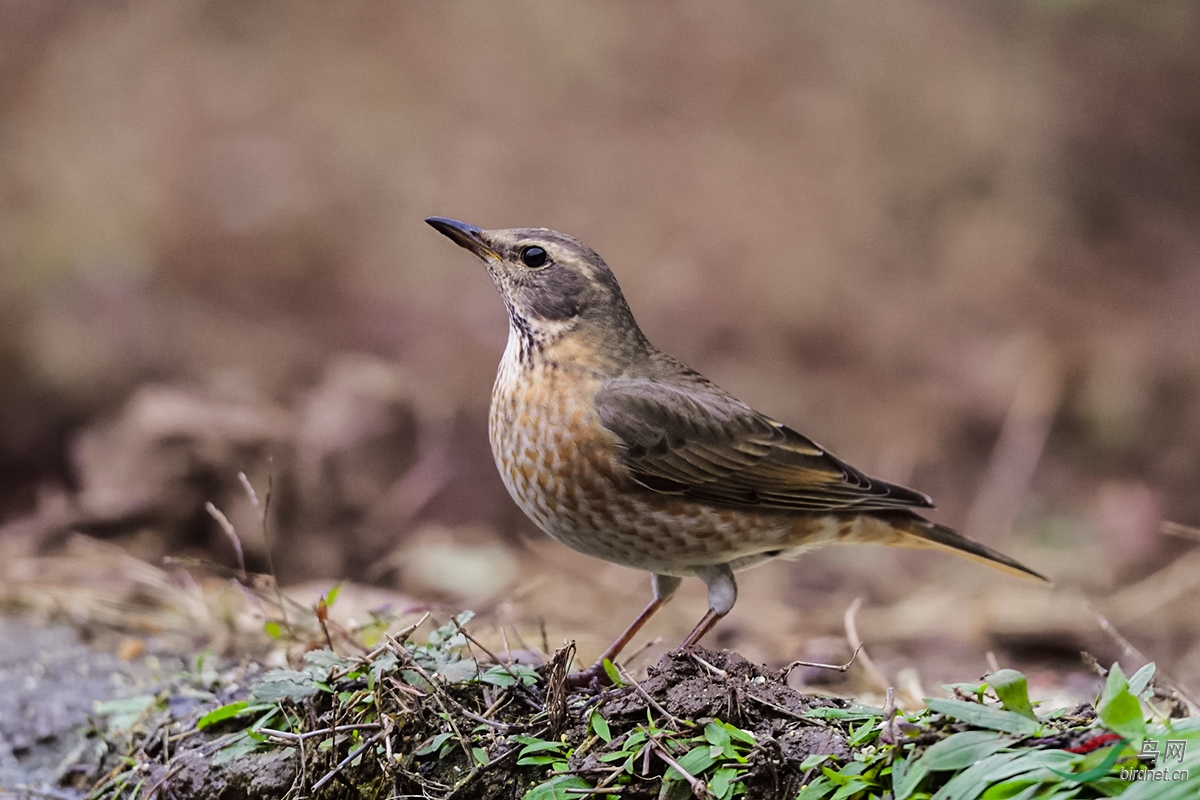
pixel 919 532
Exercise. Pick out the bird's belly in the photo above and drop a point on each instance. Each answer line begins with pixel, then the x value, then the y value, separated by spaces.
pixel 563 469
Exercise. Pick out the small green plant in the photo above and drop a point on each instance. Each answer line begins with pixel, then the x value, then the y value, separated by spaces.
pixel 405 710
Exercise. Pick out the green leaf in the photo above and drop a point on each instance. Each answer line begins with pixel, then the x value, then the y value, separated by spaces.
pixel 123 714
pixel 1015 789
pixel 229 711
pixel 855 713
pixel 384 664
pixel 976 689
pixel 332 595
pixel 415 680
pixel 836 776
pixel 695 761
pixel 273 629
pixel 850 789
pixel 598 724
pixel 283 684
pixel 1098 771
pixel 740 735
pixel 1013 690
pixel 325 659
pixel 503 676
pixel 955 752
pixel 498 676
pixel 458 671
pixel 971 783
pixel 1139 682
pixel 1109 787
pixel 722 783
pixel 610 669
pixel 540 745
pixel 433 744
pixel 814 760
pixel 521 738
pixel 480 755
pixel 902 784
pixel 982 716
pixel 1119 709
pixel 556 788
pixel 961 750
pixel 526 673
pixel 817 789
pixel 862 734
pixel 550 752
pixel 241 745
pixel 852 768
pixel 715 734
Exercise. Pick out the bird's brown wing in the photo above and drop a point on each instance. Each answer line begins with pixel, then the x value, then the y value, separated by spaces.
pixel 687 437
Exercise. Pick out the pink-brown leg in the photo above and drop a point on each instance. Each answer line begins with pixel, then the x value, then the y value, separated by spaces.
pixel 664 589
pixel 722 593
pixel 704 626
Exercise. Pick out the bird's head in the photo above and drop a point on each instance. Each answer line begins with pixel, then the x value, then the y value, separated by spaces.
pixel 552 284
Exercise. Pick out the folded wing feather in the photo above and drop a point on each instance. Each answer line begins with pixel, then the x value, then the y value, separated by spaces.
pixel 688 437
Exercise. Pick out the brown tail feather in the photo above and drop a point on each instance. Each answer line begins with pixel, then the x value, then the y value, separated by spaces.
pixel 930 534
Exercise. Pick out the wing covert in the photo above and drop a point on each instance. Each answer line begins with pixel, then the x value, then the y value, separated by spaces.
pixel 695 440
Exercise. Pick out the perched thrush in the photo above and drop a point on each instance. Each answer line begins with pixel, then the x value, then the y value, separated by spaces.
pixel 619 451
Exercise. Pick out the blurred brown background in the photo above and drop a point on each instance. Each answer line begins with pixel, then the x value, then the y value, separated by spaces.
pixel 957 243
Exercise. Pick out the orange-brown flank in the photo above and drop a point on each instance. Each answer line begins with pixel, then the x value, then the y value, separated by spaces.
pixel 564 470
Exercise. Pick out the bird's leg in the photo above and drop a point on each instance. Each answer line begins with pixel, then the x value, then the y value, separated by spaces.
pixel 722 594
pixel 664 588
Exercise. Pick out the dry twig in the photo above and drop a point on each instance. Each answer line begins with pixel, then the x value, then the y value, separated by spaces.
pixel 698 787
pixel 818 665
pixel 625 676
pixel 231 534
pixel 720 673
pixel 518 683
pixel 402 653
pixel 872 671
pixel 1129 649
pixel 556 687
pixel 355 753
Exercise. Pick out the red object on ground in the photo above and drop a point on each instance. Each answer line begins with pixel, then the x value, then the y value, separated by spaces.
pixel 1099 740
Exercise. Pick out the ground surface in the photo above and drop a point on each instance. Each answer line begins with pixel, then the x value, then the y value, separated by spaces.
pixel 50 683
pixel 441 719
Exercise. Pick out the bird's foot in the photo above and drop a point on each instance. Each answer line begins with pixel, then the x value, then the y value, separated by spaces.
pixel 594 677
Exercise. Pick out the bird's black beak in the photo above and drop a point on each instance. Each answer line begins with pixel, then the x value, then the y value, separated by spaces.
pixel 463 235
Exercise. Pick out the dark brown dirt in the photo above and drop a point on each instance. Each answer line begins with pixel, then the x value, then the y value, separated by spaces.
pixel 733 690
pixel 685 691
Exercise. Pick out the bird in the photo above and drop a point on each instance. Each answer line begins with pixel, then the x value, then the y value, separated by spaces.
pixel 624 453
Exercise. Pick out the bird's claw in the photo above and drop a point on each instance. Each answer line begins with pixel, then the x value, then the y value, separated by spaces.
pixel 594 677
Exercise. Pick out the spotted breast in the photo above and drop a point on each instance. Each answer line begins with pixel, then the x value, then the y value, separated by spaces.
pixel 564 470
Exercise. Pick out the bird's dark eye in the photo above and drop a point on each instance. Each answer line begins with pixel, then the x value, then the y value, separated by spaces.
pixel 533 256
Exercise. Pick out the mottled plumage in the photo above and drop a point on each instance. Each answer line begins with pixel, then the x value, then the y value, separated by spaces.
pixel 622 452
